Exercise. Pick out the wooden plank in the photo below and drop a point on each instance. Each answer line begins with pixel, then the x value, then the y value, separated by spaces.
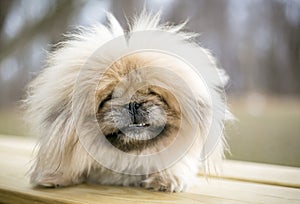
pixel 15 155
pixel 259 173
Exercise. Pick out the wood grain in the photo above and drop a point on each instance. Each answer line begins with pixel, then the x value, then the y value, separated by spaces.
pixel 259 173
pixel 242 183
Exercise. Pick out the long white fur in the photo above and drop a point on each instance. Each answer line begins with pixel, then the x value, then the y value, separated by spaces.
pixel 61 160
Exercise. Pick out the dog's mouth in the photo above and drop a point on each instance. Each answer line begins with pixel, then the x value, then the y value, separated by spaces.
pixel 113 136
pixel 138 125
pixel 135 127
pixel 135 136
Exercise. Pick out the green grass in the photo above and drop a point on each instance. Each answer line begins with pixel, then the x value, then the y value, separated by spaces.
pixel 11 123
pixel 270 136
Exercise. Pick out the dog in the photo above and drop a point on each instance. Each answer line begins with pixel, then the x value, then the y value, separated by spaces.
pixel 142 119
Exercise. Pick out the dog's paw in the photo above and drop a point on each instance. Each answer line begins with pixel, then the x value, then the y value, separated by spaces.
pixel 164 183
pixel 50 180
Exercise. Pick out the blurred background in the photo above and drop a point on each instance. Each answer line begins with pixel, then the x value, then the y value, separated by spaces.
pixel 256 41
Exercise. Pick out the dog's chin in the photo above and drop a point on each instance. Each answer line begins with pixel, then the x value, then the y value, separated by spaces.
pixel 136 137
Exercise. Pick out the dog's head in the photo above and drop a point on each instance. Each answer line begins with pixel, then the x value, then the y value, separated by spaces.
pixel 133 114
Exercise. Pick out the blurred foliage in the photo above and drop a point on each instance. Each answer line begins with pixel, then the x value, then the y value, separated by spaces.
pixel 257 42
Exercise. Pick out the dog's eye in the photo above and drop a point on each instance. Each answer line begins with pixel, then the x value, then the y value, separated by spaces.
pixel 104 101
pixel 153 93
pixel 160 97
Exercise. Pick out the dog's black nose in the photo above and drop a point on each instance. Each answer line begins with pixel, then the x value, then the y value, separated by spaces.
pixel 133 107
pixel 135 113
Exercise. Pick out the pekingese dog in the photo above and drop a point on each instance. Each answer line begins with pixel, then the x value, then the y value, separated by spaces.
pixel 112 116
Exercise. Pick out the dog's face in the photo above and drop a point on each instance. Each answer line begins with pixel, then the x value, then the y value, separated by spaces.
pixel 132 115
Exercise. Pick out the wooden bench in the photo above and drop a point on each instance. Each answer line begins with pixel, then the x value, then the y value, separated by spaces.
pixel 241 182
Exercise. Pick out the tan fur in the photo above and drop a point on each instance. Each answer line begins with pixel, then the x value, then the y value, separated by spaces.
pixel 69 89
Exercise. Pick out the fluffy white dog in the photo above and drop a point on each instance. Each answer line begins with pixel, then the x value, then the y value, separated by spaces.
pixel 143 119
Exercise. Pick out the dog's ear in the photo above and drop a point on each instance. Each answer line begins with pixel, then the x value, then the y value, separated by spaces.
pixel 60 160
